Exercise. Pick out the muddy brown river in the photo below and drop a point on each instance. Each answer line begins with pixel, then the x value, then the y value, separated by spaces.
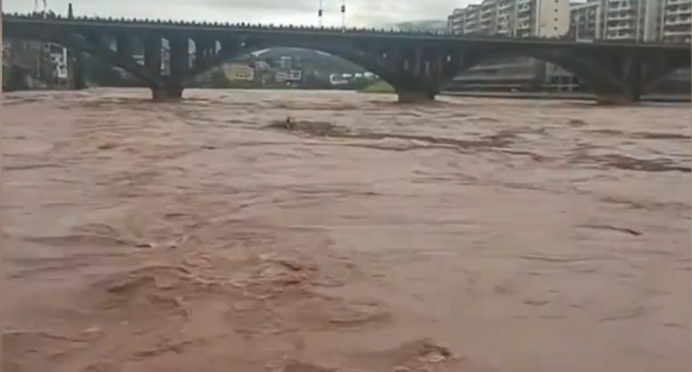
pixel 325 231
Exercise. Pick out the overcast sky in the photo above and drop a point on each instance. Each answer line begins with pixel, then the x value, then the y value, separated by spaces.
pixel 358 12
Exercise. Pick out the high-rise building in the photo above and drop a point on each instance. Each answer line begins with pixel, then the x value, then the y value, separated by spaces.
pixel 586 21
pixel 520 18
pixel 675 21
pixel 632 20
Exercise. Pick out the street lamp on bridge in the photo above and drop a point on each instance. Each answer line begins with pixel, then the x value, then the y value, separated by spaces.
pixel 343 14
pixel 45 7
pixel 319 14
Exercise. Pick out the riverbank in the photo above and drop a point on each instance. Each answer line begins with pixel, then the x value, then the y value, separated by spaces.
pixel 674 98
pixel 384 88
pixel 378 87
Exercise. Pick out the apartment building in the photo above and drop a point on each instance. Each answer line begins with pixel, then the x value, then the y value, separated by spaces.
pixel 675 20
pixel 520 18
pixel 288 76
pixel 632 20
pixel 586 21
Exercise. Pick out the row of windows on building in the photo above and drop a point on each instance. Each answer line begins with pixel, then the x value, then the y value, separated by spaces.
pixel 637 20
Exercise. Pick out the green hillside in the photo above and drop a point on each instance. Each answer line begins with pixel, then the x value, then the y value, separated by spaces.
pixel 378 87
pixel 424 25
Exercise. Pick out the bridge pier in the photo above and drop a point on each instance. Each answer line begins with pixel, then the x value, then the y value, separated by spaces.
pixel 76 68
pixel 415 96
pixel 166 94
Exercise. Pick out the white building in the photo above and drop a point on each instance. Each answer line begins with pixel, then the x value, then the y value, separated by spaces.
pixel 520 18
pixel 60 62
pixel 239 72
pixel 295 75
pixel 586 21
pixel 288 76
pixel 675 21
pixel 285 62
pixel 632 20
pixel 553 18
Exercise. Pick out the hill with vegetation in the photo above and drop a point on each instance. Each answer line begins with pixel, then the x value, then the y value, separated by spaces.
pixel 378 87
pixel 424 25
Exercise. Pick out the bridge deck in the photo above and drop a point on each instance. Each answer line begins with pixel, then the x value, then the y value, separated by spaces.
pixel 306 31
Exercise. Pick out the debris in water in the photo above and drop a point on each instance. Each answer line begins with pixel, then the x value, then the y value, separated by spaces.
pixel 315 128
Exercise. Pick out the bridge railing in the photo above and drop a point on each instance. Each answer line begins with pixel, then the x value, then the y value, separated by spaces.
pixel 39 16
pixel 47 17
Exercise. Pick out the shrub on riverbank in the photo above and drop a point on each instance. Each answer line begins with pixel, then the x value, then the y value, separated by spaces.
pixel 378 87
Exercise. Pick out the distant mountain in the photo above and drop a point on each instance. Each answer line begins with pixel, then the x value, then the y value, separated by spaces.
pixel 425 25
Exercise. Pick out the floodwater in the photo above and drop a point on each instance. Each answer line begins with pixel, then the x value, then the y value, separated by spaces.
pixel 323 231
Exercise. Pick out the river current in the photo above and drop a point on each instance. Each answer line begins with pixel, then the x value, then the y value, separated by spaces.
pixel 330 231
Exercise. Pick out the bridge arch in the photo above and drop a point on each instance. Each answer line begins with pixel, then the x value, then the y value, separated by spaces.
pixel 400 81
pixel 661 75
pixel 604 84
pixel 593 70
pixel 80 44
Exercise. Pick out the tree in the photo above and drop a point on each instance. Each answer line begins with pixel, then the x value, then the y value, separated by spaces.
pixel 101 73
pixel 14 78
pixel 218 79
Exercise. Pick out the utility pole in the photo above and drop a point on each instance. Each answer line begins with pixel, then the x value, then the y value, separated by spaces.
pixel 3 51
pixel 319 14
pixel 343 14
pixel 42 57
pixel 37 56
pixel 75 61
